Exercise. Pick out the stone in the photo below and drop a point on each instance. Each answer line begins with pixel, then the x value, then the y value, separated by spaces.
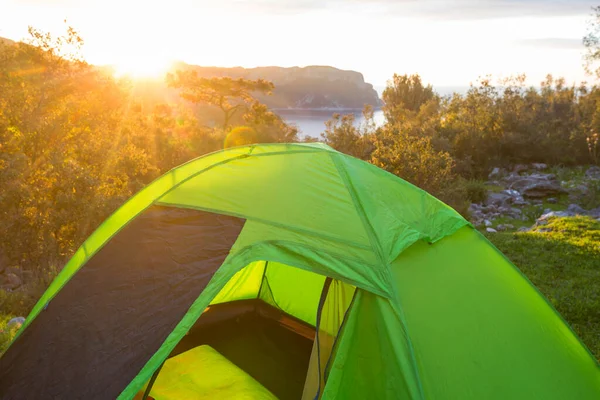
pixel 576 209
pixel 539 166
pixel 542 189
pixel 543 230
pixel 495 173
pixel 520 168
pixel 551 214
pixel 552 200
pixel 523 229
pixel 15 323
pixel 487 222
pixel 496 199
pixel 491 230
pixel 593 173
pixel 9 281
pixel 594 212
pixel 504 227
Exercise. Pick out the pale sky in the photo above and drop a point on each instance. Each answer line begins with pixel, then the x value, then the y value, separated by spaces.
pixel 449 43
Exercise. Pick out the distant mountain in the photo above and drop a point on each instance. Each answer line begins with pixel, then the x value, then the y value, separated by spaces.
pixel 312 87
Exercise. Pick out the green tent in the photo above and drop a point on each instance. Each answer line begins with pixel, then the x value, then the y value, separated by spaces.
pixel 292 271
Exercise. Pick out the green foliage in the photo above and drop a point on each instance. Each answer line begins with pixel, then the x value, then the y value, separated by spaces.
pixel 6 334
pixel 75 143
pixel 564 263
pixel 229 94
pixel 476 190
pixel 591 197
pixel 342 133
pixel 405 93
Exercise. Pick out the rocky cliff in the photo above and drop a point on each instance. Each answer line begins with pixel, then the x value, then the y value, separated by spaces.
pixel 312 87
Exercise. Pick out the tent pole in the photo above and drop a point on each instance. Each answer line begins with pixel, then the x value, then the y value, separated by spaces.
pixel 151 383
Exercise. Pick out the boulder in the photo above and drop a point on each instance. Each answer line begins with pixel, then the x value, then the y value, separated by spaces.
pixel 552 200
pixel 539 166
pixel 523 229
pixel 15 323
pixel 487 223
pixel 593 173
pixel 9 281
pixel 504 227
pixel 496 173
pixel 551 214
pixel 576 209
pixel 520 168
pixel 491 230
pixel 497 198
pixel 542 189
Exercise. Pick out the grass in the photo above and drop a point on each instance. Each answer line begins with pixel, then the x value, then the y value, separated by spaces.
pixel 6 335
pixel 564 264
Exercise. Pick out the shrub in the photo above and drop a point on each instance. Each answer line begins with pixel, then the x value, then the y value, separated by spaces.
pixel 476 190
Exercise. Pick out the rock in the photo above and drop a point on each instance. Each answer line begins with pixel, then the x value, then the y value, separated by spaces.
pixel 520 168
pixel 9 281
pixel 539 166
pixel 552 200
pixel 521 182
pixel 487 222
pixel 495 173
pixel 523 229
pixel 496 199
pixel 595 213
pixel 593 173
pixel 543 230
pixel 15 322
pixel 551 214
pixel 504 227
pixel 576 209
pixel 542 189
pixel 491 230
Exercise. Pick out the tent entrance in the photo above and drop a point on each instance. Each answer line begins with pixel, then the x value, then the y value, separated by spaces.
pixel 268 344
pixel 281 338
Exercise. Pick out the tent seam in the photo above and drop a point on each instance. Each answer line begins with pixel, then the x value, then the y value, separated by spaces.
pixel 264 221
pixel 370 231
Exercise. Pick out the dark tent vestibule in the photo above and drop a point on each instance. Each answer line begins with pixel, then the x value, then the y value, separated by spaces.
pixel 292 271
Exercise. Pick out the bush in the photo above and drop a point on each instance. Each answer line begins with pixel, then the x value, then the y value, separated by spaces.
pixel 476 190
pixel 591 198
pixel 6 334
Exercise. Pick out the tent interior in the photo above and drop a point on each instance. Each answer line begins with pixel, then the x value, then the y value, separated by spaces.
pixel 262 326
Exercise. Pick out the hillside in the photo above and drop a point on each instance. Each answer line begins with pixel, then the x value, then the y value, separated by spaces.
pixel 303 87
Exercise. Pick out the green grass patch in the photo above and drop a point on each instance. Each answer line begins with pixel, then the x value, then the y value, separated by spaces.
pixel 6 335
pixel 564 263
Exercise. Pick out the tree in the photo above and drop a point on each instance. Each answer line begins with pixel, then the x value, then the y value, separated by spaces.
pixel 405 93
pixel 591 41
pixel 343 134
pixel 228 94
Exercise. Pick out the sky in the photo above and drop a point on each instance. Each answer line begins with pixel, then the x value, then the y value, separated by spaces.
pixel 449 43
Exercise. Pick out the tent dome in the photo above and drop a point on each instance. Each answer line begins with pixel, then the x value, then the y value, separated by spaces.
pixel 391 293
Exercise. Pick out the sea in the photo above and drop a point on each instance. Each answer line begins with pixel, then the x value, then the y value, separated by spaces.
pixel 312 122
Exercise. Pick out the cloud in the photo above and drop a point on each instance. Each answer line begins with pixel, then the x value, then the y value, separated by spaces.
pixel 434 9
pixel 553 43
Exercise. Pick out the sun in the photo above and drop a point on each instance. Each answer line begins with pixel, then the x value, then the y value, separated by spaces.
pixel 142 67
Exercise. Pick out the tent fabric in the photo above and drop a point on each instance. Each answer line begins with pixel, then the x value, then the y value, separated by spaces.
pixel 117 311
pixel 310 213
